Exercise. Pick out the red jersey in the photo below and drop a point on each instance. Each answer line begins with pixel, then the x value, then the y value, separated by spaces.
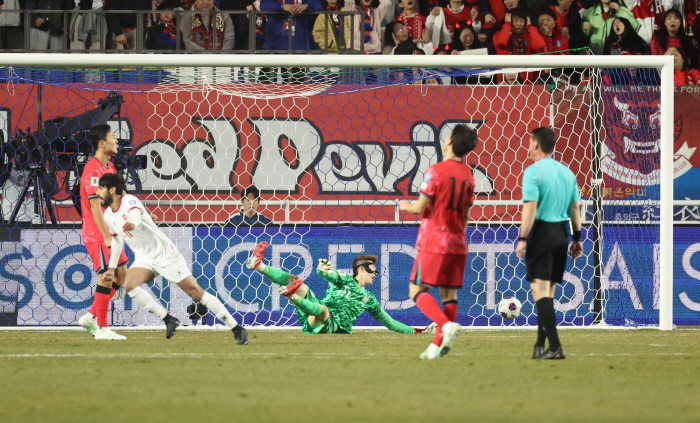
pixel 89 182
pixel 452 19
pixel 686 77
pixel 414 25
pixel 450 187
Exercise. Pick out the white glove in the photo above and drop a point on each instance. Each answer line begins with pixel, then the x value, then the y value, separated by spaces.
pixel 431 328
pixel 324 266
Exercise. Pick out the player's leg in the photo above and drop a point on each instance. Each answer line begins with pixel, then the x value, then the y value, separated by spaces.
pixel 192 288
pixel 448 332
pixel 137 275
pixel 104 291
pixel 297 292
pixel 425 273
pixel 255 262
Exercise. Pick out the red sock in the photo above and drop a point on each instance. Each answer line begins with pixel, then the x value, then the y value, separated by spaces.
pixel 93 309
pixel 102 297
pixel 450 310
pixel 430 307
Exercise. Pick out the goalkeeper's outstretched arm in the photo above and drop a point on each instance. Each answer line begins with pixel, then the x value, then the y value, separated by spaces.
pixel 383 317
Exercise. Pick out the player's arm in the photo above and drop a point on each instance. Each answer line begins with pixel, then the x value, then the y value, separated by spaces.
pixel 99 217
pixel 326 271
pixel 383 317
pixel 575 215
pixel 466 218
pixel 416 207
pixel 115 252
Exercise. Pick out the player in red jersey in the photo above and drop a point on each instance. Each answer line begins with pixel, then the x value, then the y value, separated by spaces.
pixel 446 196
pixel 96 236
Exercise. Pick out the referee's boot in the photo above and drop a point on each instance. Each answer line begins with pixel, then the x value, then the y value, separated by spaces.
pixel 537 352
pixel 241 335
pixel 553 355
pixel 171 324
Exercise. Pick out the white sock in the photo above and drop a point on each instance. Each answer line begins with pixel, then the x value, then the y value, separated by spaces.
pixel 260 268
pixel 148 302
pixel 219 310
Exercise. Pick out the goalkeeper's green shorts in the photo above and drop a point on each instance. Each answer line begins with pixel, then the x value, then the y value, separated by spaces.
pixel 329 327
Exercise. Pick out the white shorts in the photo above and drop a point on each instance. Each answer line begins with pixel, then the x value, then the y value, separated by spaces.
pixel 174 270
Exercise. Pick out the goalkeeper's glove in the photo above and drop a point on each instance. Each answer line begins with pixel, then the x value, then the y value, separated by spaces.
pixel 431 328
pixel 324 266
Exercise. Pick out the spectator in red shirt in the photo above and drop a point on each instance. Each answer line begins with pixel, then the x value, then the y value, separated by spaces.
pixel 569 22
pixel 624 40
pixel 672 35
pixel 499 9
pixel 414 21
pixel 553 40
pixel 518 35
pixel 683 73
pixel 442 21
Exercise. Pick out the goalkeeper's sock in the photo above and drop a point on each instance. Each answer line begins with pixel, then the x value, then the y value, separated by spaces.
pixel 101 304
pixel 147 302
pixel 450 308
pixel 278 276
pixel 545 309
pixel 308 307
pixel 219 310
pixel 427 304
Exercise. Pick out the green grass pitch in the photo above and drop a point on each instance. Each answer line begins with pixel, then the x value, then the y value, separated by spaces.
pixel 371 376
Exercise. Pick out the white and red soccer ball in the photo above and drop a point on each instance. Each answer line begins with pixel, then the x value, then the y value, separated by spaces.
pixel 509 308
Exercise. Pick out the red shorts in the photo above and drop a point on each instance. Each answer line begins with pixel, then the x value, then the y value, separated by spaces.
pixel 439 270
pixel 100 253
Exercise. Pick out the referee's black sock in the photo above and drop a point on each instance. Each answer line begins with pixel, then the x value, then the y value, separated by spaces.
pixel 548 319
pixel 541 334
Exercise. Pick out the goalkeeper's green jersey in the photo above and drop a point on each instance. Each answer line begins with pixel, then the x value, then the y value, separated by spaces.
pixel 346 301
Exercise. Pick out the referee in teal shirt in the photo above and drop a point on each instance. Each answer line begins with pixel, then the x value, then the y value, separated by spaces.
pixel 550 197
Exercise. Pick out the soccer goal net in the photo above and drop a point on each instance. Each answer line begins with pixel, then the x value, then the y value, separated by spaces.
pixel 333 143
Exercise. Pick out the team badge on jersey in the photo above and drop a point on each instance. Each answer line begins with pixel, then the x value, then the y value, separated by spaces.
pixel 124 216
pixel 94 181
pixel 132 202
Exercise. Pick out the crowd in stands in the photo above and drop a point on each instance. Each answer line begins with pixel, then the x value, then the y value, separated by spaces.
pixel 608 27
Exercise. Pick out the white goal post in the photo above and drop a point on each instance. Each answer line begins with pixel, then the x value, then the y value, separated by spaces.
pixel 664 64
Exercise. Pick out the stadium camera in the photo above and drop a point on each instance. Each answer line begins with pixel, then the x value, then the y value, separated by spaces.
pixel 61 144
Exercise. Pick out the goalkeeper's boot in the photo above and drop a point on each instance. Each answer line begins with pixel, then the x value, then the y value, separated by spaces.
pixel 254 262
pixel 107 335
pixel 291 289
pixel 537 352
pixel 171 325
pixel 554 355
pixel 450 330
pixel 88 322
pixel 431 353
pixel 240 334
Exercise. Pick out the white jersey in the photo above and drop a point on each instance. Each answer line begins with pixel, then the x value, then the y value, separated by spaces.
pixel 146 239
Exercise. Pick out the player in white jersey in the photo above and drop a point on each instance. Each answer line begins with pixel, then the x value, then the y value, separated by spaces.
pixel 127 220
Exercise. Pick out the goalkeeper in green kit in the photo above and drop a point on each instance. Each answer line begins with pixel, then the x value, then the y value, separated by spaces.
pixel 346 298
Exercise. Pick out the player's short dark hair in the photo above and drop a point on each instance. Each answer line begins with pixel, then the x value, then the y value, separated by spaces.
pixel 113 180
pixel 360 260
pixel 98 133
pixel 464 140
pixel 546 139
pixel 251 190
pixel 518 13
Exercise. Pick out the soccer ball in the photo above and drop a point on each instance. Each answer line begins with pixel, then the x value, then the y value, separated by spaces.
pixel 509 308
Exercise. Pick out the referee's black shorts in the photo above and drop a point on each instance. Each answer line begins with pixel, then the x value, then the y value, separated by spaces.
pixel 547 249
